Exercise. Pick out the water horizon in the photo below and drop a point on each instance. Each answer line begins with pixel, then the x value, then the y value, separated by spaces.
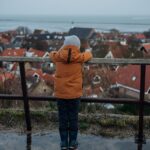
pixel 55 23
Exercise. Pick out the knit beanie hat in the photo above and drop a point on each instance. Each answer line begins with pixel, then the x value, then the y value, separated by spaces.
pixel 72 40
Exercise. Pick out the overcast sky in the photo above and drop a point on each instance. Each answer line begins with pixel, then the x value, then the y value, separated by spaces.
pixel 75 7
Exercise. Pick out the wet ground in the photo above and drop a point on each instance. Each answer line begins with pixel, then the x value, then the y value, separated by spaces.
pixel 50 141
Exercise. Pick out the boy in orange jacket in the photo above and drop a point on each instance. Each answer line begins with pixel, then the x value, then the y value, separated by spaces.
pixel 68 88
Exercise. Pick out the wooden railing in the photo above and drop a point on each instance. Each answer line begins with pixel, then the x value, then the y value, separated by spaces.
pixel 141 102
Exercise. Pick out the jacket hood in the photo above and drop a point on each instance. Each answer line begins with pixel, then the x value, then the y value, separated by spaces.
pixel 69 53
pixel 70 50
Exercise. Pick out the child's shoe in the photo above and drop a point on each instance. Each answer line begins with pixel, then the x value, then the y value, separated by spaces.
pixel 73 148
pixel 73 145
pixel 64 148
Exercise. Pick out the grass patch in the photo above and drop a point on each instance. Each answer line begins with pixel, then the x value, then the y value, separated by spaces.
pixel 84 126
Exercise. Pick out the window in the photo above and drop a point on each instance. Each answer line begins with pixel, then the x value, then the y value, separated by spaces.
pixel 133 78
pixel 36 76
pixel 1 49
pixel 48 37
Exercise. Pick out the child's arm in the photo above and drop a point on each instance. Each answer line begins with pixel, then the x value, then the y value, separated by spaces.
pixel 54 56
pixel 84 57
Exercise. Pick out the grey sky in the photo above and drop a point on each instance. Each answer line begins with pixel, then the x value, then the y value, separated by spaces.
pixel 75 7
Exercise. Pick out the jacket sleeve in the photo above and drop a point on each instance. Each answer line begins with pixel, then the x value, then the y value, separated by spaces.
pixel 54 56
pixel 84 57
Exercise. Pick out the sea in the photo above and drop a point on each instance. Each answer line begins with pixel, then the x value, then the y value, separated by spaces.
pixel 64 23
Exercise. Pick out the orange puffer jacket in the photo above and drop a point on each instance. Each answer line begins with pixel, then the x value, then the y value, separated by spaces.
pixel 68 75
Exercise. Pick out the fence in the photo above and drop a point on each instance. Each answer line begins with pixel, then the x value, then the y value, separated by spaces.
pixel 141 102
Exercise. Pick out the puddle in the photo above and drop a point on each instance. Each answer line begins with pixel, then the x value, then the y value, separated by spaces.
pixel 50 141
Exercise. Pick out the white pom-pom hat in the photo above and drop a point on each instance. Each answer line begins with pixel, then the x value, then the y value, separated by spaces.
pixel 72 40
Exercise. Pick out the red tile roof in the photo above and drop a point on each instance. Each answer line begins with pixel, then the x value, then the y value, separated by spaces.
pixel 140 36
pixel 119 52
pixel 4 40
pixel 37 53
pixel 146 46
pixel 6 76
pixel 14 52
pixel 48 78
pixel 130 76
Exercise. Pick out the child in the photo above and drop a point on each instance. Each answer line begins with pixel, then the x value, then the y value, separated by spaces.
pixel 68 88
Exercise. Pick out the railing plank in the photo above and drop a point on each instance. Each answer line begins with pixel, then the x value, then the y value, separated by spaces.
pixel 93 60
pixel 83 99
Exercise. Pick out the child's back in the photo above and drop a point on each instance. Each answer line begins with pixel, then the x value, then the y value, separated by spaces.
pixel 68 88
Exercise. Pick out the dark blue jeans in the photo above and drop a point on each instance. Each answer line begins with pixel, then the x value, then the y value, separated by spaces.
pixel 68 121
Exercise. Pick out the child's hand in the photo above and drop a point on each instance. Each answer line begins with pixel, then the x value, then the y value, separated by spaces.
pixel 88 49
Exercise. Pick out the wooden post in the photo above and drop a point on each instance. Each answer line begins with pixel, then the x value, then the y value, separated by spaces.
pixel 25 96
pixel 140 139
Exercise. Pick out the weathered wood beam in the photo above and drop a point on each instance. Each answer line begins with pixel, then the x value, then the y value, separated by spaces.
pixel 93 61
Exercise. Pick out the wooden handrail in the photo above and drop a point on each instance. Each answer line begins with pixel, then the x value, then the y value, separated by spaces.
pixel 93 60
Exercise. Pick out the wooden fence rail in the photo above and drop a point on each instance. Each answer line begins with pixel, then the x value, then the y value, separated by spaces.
pixel 92 61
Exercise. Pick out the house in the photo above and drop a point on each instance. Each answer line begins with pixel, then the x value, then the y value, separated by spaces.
pixel 112 49
pixel 39 83
pixel 123 42
pixel 38 41
pixel 14 52
pixel 45 41
pixel 36 53
pixel 38 74
pixel 40 88
pixel 145 48
pixel 5 77
pixel 97 80
pixel 4 40
pixel 82 33
pixel 42 36
pixel 127 81
pixel 17 41
pixel 39 31
pixel 21 30
pixel 116 52
pixel 140 37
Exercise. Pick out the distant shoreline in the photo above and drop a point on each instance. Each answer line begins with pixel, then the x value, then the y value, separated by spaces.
pixel 64 23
